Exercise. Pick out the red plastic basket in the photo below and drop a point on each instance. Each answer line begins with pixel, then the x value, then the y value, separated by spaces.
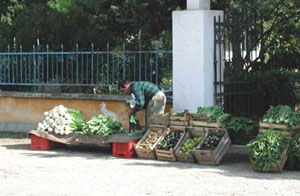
pixel 124 150
pixel 38 143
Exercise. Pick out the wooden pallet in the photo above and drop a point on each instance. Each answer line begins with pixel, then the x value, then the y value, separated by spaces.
pixel 277 167
pixel 146 151
pixel 213 157
pixel 169 155
pixel 283 129
pixel 191 132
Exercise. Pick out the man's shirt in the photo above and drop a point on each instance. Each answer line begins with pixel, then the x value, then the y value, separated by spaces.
pixel 143 92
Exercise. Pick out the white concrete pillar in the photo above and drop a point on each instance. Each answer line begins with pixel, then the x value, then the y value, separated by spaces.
pixel 198 4
pixel 193 57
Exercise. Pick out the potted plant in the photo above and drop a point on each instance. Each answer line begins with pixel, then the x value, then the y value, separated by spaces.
pixel 268 152
pixel 241 130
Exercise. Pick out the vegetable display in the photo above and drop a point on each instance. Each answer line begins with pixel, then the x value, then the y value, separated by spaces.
pixel 210 114
pixel 170 140
pixel 101 125
pixel 211 141
pixel 151 138
pixel 190 144
pixel 281 114
pixel 62 120
pixel 267 148
pixel 295 146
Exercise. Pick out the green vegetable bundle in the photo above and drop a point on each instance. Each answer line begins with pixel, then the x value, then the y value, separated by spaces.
pixel 266 149
pixel 102 125
pixel 281 114
pixel 212 113
pixel 241 124
pixel 295 146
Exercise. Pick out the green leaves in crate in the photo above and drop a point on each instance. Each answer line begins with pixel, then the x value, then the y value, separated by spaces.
pixel 281 114
pixel 213 113
pixel 295 146
pixel 266 149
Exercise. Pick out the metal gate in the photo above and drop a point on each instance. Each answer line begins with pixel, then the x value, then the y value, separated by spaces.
pixel 237 49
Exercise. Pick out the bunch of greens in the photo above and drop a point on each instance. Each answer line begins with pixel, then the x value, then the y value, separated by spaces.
pixel 134 122
pixel 295 146
pixel 241 124
pixel 281 114
pixel 212 113
pixel 62 120
pixel 266 149
pixel 102 125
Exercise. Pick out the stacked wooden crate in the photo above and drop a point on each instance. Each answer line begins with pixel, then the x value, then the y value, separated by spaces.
pixel 145 147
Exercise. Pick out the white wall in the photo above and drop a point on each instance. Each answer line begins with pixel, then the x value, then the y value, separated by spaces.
pixel 193 68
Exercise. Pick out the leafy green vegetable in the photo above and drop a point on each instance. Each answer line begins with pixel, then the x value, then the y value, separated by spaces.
pixel 102 125
pixel 213 113
pixel 281 114
pixel 241 124
pixel 295 146
pixel 266 149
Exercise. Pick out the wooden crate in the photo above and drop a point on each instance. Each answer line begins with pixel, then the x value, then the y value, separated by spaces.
pixel 213 157
pixel 179 120
pixel 276 167
pixel 161 120
pixel 263 127
pixel 191 132
pixel 203 123
pixel 169 155
pixel 146 151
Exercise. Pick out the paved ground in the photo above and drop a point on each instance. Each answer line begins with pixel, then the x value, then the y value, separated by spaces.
pixel 66 171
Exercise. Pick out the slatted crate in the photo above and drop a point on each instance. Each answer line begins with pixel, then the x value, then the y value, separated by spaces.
pixel 179 121
pixel 146 151
pixel 161 120
pixel 202 122
pixel 191 133
pixel 283 129
pixel 213 157
pixel 277 167
pixel 169 155
pixel 39 143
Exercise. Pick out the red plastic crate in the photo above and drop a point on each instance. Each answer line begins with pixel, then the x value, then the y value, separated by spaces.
pixel 38 143
pixel 124 150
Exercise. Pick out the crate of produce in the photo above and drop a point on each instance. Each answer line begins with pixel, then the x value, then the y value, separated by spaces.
pixel 283 129
pixel 161 120
pixel 39 143
pixel 277 167
pixel 165 149
pixel 201 120
pixel 213 147
pixel 145 146
pixel 192 138
pixel 179 119
pixel 124 150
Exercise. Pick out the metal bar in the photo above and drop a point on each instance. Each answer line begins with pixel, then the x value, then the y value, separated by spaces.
pixel 92 63
pixel 47 48
pixel 107 64
pixel 62 63
pixel 134 66
pixel 77 74
pixel 156 62
pixel 8 67
pixel 140 62
pixel 124 62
